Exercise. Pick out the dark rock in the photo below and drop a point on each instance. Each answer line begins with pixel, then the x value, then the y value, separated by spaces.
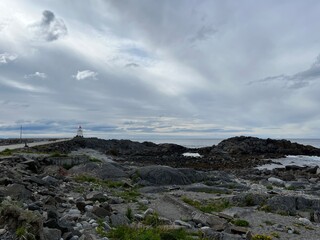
pixel 51 234
pixel 119 219
pixel 37 180
pixel 18 192
pixel 96 196
pixel 50 180
pixel 163 175
pixel 100 212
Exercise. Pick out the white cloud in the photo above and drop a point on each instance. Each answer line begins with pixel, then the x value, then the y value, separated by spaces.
pixel 36 75
pixel 7 57
pixel 85 74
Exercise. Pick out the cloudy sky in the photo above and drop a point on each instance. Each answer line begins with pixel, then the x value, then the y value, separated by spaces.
pixel 160 69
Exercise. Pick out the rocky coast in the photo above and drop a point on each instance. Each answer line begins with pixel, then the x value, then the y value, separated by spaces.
pixel 89 188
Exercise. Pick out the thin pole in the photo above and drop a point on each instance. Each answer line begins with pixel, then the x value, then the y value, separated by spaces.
pixel 21 133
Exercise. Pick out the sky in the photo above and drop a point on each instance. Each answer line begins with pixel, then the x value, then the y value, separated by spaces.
pixel 148 69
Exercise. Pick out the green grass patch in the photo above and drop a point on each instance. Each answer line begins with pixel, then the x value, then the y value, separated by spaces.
pixel 129 195
pixel 208 206
pixel 261 237
pixel 269 223
pixel 240 222
pixel 58 155
pixel 95 160
pixel 6 152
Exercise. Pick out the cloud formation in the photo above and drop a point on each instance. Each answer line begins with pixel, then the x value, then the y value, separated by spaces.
pixel 36 75
pixel 298 80
pixel 7 57
pixel 85 74
pixel 50 28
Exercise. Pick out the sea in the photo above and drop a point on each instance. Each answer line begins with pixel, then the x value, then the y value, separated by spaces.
pixel 279 163
pixel 197 143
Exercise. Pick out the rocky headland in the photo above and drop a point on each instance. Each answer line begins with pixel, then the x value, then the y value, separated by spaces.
pixel 89 188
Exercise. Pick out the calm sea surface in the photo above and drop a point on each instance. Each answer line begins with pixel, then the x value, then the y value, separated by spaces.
pixel 196 143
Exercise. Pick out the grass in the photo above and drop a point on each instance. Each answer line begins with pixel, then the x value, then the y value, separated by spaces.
pixel 261 237
pixel 95 160
pixel 6 152
pixel 142 207
pixel 269 223
pixel 240 222
pixel 100 229
pixel 129 214
pixel 269 187
pixel 208 206
pixel 57 154
pixel 28 223
pixel 275 234
pixel 128 233
pixel 128 194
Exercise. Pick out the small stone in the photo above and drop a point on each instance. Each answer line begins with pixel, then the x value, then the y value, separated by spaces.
pixel 148 212
pixel 305 221
pixel 138 217
pixel 182 223
pixel 88 208
pixel 2 231
pixel 144 201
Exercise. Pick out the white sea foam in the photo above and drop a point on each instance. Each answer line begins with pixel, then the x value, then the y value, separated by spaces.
pixel 293 160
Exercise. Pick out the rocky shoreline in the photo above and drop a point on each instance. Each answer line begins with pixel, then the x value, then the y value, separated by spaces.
pixel 89 188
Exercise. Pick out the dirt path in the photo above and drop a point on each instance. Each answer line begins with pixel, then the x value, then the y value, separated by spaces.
pixel 17 146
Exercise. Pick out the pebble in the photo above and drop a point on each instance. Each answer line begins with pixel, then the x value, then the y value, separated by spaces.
pixel 2 231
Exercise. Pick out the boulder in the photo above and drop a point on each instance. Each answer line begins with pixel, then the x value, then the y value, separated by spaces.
pixel 163 175
pixel 51 233
pixel 17 192
pixel 119 219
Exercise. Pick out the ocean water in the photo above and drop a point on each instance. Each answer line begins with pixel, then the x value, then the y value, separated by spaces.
pixel 282 162
pixel 197 143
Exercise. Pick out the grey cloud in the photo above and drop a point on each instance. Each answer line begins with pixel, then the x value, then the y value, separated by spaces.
pixel 7 57
pixel 295 81
pixel 50 28
pixel 204 33
pixel 132 65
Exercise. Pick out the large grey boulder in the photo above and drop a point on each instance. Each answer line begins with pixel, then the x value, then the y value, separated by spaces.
pixel 163 175
pixel 17 192
pixel 102 171
pixel 51 233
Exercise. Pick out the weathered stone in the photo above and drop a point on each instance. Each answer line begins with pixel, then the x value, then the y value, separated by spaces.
pixel 100 212
pixel 276 181
pixel 17 192
pixel 119 219
pixel 96 196
pixel 50 180
pixel 212 221
pixel 163 175
pixel 182 223
pixel 51 234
